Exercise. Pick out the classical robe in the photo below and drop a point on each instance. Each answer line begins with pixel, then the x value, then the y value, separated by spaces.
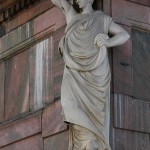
pixel 85 91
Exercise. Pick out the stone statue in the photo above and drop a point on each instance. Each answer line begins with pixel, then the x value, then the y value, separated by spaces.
pixel 85 91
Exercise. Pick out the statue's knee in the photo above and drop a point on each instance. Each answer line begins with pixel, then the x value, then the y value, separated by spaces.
pixel 92 145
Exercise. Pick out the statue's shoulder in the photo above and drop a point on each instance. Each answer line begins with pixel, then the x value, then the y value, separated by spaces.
pixel 103 16
pixel 100 14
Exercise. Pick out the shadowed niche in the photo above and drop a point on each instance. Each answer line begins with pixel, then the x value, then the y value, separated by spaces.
pixel 2 30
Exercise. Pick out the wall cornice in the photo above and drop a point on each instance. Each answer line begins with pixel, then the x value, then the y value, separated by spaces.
pixel 10 8
pixel 6 3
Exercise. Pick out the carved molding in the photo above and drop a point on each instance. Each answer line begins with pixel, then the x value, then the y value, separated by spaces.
pixel 6 3
pixel 27 43
pixel 9 9
pixel 143 2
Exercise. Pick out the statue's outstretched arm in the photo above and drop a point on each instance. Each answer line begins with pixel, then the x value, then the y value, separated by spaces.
pixel 120 36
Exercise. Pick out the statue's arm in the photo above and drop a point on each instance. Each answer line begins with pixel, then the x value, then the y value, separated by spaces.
pixel 64 5
pixel 120 36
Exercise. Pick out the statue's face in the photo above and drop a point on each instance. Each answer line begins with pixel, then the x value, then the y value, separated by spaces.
pixel 82 3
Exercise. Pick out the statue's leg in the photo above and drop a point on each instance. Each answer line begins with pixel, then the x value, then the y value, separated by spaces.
pixel 82 139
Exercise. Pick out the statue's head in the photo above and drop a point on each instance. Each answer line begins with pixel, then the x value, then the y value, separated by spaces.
pixel 83 3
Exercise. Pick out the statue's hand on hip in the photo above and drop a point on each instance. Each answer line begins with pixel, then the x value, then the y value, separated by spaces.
pixel 101 40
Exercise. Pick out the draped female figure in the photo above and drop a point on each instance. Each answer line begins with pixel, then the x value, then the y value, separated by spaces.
pixel 85 90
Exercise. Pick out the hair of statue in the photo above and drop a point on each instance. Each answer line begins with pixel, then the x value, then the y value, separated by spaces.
pixel 76 6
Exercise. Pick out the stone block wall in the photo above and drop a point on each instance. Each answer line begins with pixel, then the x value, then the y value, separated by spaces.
pixel 131 77
pixel 30 75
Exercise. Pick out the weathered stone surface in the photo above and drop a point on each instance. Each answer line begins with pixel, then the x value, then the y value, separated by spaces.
pixel 17 85
pixel 20 129
pixel 107 6
pixel 41 73
pixel 31 143
pixel 58 63
pixel 141 63
pixel 52 120
pixel 16 36
pixel 143 2
pixel 130 140
pixel 2 71
pixel 57 142
pixel 126 12
pixel 50 19
pixel 2 30
pixel 27 15
pixel 131 114
pixel 122 67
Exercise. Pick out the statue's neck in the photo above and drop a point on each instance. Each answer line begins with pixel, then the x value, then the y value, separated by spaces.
pixel 87 9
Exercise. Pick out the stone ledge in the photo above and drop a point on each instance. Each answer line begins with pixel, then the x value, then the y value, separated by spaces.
pixel 20 129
